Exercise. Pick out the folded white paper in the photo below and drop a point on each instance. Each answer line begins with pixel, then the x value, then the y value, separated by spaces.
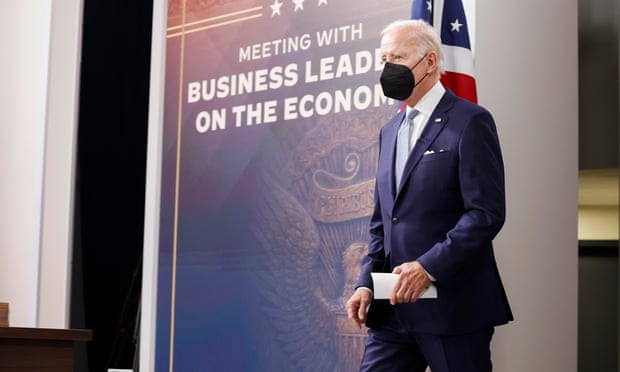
pixel 383 284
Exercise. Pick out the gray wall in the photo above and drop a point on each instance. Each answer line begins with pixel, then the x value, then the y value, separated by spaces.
pixel 526 67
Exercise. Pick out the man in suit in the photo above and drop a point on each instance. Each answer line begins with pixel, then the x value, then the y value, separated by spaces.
pixel 436 213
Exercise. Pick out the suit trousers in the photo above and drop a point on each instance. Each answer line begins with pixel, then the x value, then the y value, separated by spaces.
pixel 395 349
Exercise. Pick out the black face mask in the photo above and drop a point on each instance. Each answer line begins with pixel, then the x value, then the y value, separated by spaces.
pixel 397 80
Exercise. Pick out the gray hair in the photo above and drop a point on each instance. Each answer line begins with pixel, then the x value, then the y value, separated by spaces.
pixel 423 34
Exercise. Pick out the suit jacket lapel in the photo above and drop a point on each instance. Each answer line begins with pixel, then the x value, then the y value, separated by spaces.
pixel 435 124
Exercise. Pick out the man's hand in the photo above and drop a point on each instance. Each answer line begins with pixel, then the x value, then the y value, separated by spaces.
pixel 412 282
pixel 357 306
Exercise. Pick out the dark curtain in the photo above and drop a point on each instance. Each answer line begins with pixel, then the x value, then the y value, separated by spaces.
pixel 110 180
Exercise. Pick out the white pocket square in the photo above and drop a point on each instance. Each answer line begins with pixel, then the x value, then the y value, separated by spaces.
pixel 429 152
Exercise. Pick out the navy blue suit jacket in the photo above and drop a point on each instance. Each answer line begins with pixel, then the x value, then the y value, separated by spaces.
pixel 449 207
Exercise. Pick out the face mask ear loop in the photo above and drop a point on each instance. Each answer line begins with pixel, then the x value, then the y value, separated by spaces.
pixel 423 77
pixel 414 66
pixel 417 63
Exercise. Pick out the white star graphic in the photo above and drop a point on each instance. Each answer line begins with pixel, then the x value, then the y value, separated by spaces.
pixel 429 6
pixel 321 2
pixel 456 26
pixel 275 8
pixel 299 4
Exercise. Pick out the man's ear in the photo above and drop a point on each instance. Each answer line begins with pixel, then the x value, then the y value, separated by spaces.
pixel 431 61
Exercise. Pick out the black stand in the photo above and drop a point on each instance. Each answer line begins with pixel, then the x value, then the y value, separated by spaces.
pixel 125 349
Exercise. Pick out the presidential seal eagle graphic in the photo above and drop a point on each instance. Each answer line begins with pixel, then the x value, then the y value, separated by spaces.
pixel 312 223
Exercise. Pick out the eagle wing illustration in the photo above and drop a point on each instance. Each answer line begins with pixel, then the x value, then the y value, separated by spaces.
pixel 311 222
pixel 290 284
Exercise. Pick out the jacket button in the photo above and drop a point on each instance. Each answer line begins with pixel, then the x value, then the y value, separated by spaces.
pixel 394 220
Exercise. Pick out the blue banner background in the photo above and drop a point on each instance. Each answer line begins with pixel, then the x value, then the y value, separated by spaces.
pixel 263 225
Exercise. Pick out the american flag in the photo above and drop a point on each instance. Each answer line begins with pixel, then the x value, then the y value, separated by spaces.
pixel 448 18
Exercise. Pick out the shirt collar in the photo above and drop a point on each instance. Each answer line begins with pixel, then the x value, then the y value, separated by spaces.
pixel 426 105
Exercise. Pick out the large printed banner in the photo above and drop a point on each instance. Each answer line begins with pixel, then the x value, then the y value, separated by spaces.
pixel 271 120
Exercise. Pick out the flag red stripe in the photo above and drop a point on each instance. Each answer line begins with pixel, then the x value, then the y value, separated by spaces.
pixel 462 85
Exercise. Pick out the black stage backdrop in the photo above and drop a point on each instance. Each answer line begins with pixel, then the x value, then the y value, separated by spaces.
pixel 110 182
